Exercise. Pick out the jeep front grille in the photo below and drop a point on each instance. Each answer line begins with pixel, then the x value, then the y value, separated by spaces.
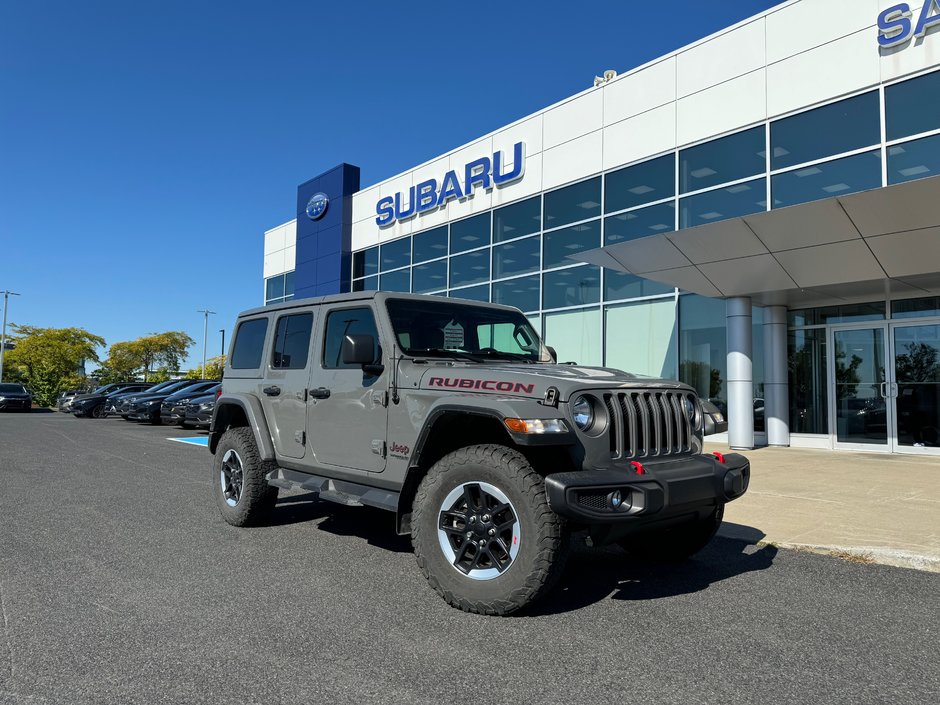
pixel 649 424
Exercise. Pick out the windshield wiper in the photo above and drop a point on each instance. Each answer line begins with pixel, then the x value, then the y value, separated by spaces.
pixel 507 356
pixel 459 354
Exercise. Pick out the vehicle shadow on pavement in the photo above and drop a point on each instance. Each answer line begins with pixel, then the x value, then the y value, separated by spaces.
pixel 596 574
pixel 375 526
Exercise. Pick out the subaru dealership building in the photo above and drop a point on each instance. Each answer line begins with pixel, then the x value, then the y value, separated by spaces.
pixel 757 214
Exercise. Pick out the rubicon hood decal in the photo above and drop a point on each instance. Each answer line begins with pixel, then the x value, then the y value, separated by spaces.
pixel 489 385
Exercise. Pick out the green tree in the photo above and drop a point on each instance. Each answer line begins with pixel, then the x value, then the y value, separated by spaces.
pixel 214 368
pixel 49 360
pixel 151 356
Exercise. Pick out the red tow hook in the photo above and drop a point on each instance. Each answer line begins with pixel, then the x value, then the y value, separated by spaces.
pixel 638 468
pixel 719 457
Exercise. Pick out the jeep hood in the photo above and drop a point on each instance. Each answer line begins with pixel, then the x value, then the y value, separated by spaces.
pixel 533 380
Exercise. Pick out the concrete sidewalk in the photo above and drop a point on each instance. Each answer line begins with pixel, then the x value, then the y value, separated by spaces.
pixel 861 506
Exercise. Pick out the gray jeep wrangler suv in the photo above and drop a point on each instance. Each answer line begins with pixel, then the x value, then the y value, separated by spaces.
pixel 456 417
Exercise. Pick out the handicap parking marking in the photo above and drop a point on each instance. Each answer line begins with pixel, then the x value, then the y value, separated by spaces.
pixel 199 441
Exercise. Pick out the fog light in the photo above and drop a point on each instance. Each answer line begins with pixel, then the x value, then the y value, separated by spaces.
pixel 615 499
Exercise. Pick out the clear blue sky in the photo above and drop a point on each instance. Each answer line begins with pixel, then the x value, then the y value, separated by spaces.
pixel 145 147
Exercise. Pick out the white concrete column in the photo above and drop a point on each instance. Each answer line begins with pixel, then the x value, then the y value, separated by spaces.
pixel 776 395
pixel 740 374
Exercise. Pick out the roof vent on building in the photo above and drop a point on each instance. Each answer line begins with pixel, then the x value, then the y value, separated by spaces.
pixel 609 75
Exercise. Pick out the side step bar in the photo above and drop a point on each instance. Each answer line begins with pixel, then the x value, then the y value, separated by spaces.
pixel 349 494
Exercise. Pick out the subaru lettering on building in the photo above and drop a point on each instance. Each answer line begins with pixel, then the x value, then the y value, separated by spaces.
pixel 482 173
pixel 895 26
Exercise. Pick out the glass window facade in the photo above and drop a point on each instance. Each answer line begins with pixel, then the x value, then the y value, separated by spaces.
pixel 641 222
pixel 652 353
pixel 833 129
pixel 396 253
pixel 579 201
pixel 916 308
pixel 723 203
pixel 366 262
pixel 620 285
pixel 726 159
pixel 559 244
pixel 396 281
pixel 430 277
pixel 912 107
pixel 430 244
pixel 644 183
pixel 279 288
pixel 522 292
pixel 574 286
pixel 470 233
pixel 914 160
pixel 523 218
pixel 575 335
pixel 517 257
pixel 837 178
pixel 470 268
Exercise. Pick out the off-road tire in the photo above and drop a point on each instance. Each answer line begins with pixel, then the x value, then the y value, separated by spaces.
pixel 676 544
pixel 257 498
pixel 543 546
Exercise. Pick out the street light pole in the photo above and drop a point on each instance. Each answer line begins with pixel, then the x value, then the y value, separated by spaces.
pixel 3 335
pixel 205 337
pixel 222 331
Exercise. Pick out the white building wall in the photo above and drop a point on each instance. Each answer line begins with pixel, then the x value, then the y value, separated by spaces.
pixel 787 59
pixel 280 245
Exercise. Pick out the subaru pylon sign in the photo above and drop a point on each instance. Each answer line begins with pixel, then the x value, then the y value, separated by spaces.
pixel 483 173
pixel 896 25
pixel 317 206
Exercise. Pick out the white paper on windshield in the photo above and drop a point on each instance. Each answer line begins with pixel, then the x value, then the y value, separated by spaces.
pixel 453 336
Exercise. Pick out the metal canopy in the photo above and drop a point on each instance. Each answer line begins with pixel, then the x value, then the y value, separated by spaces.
pixel 838 249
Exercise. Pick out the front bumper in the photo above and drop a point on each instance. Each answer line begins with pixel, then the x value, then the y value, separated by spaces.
pixel 15 404
pixel 667 489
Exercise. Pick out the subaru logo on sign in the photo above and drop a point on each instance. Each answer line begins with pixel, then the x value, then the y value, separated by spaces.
pixel 896 24
pixel 316 206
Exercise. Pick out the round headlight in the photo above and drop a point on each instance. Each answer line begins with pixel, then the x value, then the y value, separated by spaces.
pixel 583 411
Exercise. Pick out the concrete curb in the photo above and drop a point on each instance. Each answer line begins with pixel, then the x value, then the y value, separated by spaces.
pixel 866 554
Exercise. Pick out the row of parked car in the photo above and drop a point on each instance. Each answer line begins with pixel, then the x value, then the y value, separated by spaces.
pixel 187 402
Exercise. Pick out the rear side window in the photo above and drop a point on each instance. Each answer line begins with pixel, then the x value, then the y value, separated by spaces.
pixel 292 341
pixel 249 344
pixel 339 324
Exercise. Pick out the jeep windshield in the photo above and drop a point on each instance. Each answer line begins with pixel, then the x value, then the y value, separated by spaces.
pixel 464 331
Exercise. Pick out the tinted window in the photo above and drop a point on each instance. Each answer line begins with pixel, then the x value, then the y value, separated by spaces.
pixel 469 233
pixel 720 161
pixel 571 287
pixel 350 321
pixel 396 253
pixel 289 284
pixel 275 287
pixel 292 341
pixel 516 257
pixel 568 241
pixel 396 281
pixel 367 284
pixel 573 203
pixel 517 220
pixel 12 389
pixel 429 277
pixel 366 262
pixel 916 308
pixel 723 203
pixel 837 178
pixel 643 183
pixel 620 285
pixel 914 160
pixel 470 268
pixel 522 293
pixel 913 107
pixel 430 245
pixel 473 293
pixel 832 129
pixel 642 222
pixel 249 344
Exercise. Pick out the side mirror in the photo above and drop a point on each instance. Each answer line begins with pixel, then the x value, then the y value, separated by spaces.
pixel 715 421
pixel 551 351
pixel 358 350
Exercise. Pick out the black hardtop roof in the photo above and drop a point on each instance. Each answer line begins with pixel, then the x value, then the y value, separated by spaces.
pixel 364 296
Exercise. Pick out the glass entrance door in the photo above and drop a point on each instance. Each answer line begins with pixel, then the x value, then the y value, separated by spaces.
pixel 915 389
pixel 861 416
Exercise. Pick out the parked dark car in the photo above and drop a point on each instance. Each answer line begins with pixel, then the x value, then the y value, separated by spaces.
pixel 112 404
pixel 104 390
pixel 199 410
pixel 173 408
pixel 94 405
pixel 15 397
pixel 147 407
pixel 125 404
pixel 64 400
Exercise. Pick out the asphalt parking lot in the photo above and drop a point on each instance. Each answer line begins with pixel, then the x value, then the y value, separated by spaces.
pixel 120 583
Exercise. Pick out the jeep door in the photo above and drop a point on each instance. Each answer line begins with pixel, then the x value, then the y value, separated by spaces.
pixel 284 385
pixel 346 412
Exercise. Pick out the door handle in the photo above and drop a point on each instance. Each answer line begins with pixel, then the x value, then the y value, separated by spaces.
pixel 272 391
pixel 320 393
pixel 884 390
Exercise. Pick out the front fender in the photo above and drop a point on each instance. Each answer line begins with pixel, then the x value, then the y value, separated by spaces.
pixel 251 414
